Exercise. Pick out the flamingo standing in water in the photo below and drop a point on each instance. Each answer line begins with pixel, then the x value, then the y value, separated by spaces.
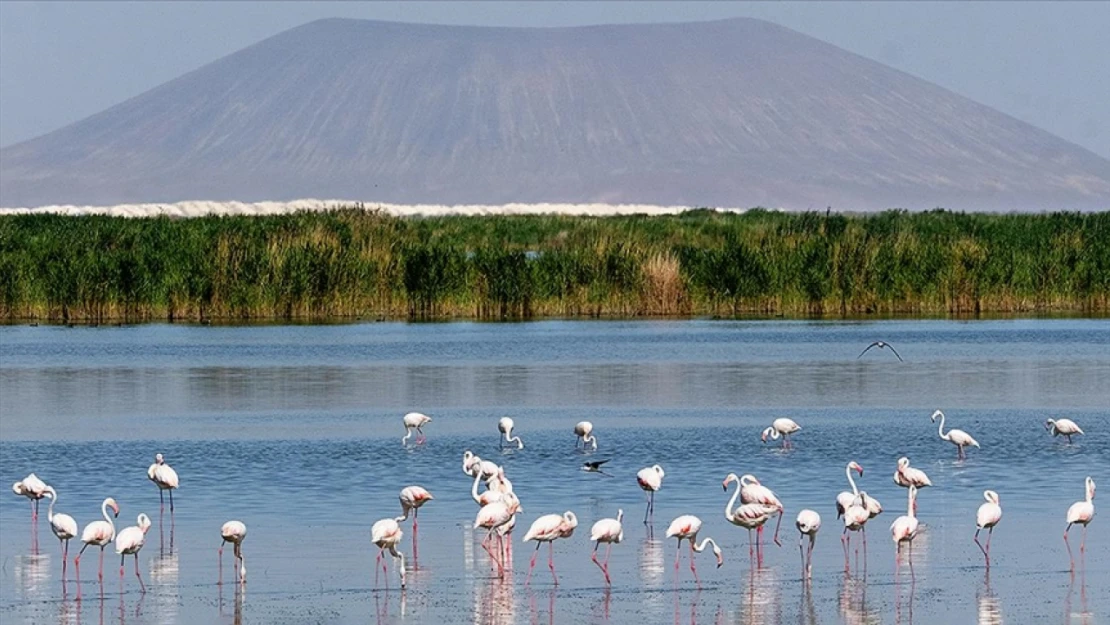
pixel 387 534
pixel 63 526
pixel 749 516
pixel 608 531
pixel 128 543
pixel 904 529
pixel 855 518
pixel 99 533
pixel 505 425
pixel 845 499
pixel 988 516
pixel 1067 427
pixel 583 430
pixel 164 477
pixel 781 427
pixel 547 529
pixel 492 517
pixel 32 488
pixel 415 421
pixel 906 476
pixel 233 532
pixel 808 522
pixel 485 467
pixel 650 480
pixel 686 527
pixel 412 497
pixel 1081 512
pixel 751 491
pixel 959 438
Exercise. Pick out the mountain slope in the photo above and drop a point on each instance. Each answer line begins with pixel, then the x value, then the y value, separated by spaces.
pixel 735 112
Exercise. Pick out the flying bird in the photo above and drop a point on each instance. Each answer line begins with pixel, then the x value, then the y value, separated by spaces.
pixel 594 466
pixel 880 345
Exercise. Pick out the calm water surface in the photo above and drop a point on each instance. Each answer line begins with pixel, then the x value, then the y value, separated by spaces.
pixel 296 431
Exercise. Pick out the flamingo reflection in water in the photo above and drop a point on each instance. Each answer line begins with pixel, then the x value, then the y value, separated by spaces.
pixel 990 608
pixel 853 601
pixel 237 610
pixel 535 613
pixel 693 608
pixel 762 602
pixel 383 601
pixel 1084 615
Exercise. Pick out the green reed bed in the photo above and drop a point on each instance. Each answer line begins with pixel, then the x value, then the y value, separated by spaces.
pixel 357 263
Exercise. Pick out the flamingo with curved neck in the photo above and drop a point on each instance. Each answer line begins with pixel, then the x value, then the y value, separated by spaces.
pixel 959 438
pixel 99 533
pixel 63 526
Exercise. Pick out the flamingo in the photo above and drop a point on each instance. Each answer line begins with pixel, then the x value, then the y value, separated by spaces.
pixel 387 534
pixel 751 491
pixel 650 480
pixel 32 488
pixel 959 438
pixel 749 516
pixel 128 543
pixel 583 430
pixel 505 425
pixel 499 483
pixel 781 427
pixel 906 476
pixel 1081 512
pixel 1067 427
pixel 880 345
pixel 686 527
pixel 415 421
pixel 487 497
pixel 547 529
pixel 488 469
pixel 99 533
pixel 855 518
pixel 233 532
pixel 808 522
pixel 988 516
pixel 845 499
pixel 164 477
pixel 412 497
pixel 608 531
pixel 904 528
pixel 63 526
pixel 493 516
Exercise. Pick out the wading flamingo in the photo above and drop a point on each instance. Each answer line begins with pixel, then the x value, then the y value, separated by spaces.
pixel 906 476
pixel 233 532
pixel 855 518
pixel 845 499
pixel 686 527
pixel 1066 427
pixel 470 461
pixel 880 345
pixel 412 497
pixel 164 477
pixel 1081 512
pixel 415 421
pixel 63 526
pixel 959 438
pixel 610 532
pixel 128 543
pixel 904 529
pixel 751 491
pixel 748 516
pixel 547 529
pixel 808 522
pixel 650 480
pixel 583 430
pixel 492 517
pixel 32 488
pixel 499 483
pixel 487 497
pixel 988 516
pixel 99 533
pixel 781 427
pixel 506 425
pixel 387 534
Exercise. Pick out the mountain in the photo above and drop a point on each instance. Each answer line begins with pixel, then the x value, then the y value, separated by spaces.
pixel 737 112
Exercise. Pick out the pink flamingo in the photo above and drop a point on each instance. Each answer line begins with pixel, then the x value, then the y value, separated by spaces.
pixel 904 529
pixel 470 461
pixel 855 517
pixel 686 527
pixel 845 499
pixel 547 529
pixel 1081 512
pixel 749 516
pixel 99 533
pixel 415 421
pixel 493 516
pixel 650 480
pixel 608 531
pixel 32 488
pixel 808 522
pixel 233 532
pixel 781 428
pixel 488 496
pixel 128 543
pixel 164 477
pixel 63 526
pixel 751 491
pixel 906 476
pixel 582 430
pixel 988 516
pixel 1066 427
pixel 412 498
pixel 387 534
pixel 505 426
pixel 959 438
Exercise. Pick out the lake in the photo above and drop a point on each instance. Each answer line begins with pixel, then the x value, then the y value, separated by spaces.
pixel 296 430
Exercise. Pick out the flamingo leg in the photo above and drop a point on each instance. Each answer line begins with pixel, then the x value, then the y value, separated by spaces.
pixel 65 552
pixel 77 567
pixel 751 554
pixel 978 544
pixel 778 524
pixel 809 556
pixel 532 564
pixel 909 556
pixel 100 569
pixel 693 568
pixel 377 562
pixel 990 532
pixel 171 501
pixel 1068 545
pixel 595 560
pixel 161 500
pixel 844 540
pixel 551 561
pixel 608 551
pixel 647 508
pixel 220 560
pixel 142 586
pixel 801 553
pixel 677 559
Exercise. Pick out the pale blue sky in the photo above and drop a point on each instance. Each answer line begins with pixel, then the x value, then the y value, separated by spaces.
pixel 1042 62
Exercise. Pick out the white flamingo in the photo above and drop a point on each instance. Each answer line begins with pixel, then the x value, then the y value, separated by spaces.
pixel 610 532
pixel 686 527
pixel 491 518
pixel 99 533
pixel 906 476
pixel 128 543
pixel 1081 512
pixel 506 425
pixel 1065 427
pixel 63 526
pixel 387 534
pixel 415 421
pixel 488 469
pixel 904 528
pixel 650 480
pixel 233 532
pixel 781 427
pixel 547 529
pixel 583 430
pixel 959 438
pixel 986 518
pixel 412 498
pixel 164 477
pixel 855 518
pixel 752 491
pixel 749 516
pixel 32 488
pixel 808 523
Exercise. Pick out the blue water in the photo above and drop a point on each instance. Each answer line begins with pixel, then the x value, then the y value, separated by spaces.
pixel 295 430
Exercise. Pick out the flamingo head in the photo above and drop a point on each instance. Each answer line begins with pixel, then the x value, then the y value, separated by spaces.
pixel 992 496
pixel 903 462
pixel 17 488
pixel 570 520
pixel 1090 488
pixel 853 465
pixel 748 478
pixel 144 522
pixel 158 459
pixel 720 557
pixel 512 503
pixel 1049 423
pixel 728 480
pixel 111 503
pixel 935 415
pixel 769 432
pixel 620 515
pixel 658 469
pixel 50 492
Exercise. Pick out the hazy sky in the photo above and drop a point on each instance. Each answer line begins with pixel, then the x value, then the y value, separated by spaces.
pixel 1045 63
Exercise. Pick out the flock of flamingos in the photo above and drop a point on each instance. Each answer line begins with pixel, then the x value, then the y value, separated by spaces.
pixel 499 508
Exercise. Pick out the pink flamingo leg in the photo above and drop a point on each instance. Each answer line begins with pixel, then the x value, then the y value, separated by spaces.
pixel 142 586
pixel 677 558
pixel 595 561
pixel 693 568
pixel 65 556
pixel 751 554
pixel 608 550
pixel 220 551
pixel 532 564
pixel 377 562
pixel 1068 545
pixel 100 569
pixel 551 561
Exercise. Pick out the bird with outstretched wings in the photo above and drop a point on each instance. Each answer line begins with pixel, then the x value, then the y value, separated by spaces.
pixel 594 466
pixel 881 345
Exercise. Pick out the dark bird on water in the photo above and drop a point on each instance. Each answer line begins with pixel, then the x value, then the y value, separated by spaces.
pixel 880 345
pixel 594 466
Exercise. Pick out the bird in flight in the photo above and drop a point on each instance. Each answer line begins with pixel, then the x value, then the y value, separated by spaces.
pixel 594 466
pixel 880 345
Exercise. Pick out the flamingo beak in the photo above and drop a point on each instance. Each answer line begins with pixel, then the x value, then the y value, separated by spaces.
pixel 724 485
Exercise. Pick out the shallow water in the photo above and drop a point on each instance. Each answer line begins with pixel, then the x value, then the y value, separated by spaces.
pixel 296 431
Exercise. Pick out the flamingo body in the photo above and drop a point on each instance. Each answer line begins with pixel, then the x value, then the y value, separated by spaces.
pixel 780 428
pixel 1062 427
pixel 583 430
pixel 386 534
pixel 234 532
pixel 686 527
pixel 33 489
pixel 610 532
pixel 505 426
pixel 959 438
pixel 415 421
pixel 547 529
pixel 808 524
pixel 163 476
pixel 128 543
pixel 650 480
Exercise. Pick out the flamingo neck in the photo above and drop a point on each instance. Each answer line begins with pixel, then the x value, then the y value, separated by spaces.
pixel 477 478
pixel 731 503
pixel 408 433
pixel 848 472
pixel 700 548
pixel 54 499
pixel 940 428
pixel 909 505
pixel 104 511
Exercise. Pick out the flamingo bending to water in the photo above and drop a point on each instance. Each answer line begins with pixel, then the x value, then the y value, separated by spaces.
pixel 959 438
pixel 650 480
pixel 752 491
pixel 547 529
pixel 63 526
pixel 904 528
pixel 412 497
pixel 781 427
pixel 1081 512
pixel 387 534
pixel 492 517
pixel 505 425
pixel 750 516
pixel 164 477
pixel 583 430
pixel 233 532
pixel 988 516
pixel 808 522
pixel 99 533
pixel 128 543
pixel 485 467
pixel 32 488
pixel 1066 427
pixel 686 527
pixel 415 421
pixel 608 531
